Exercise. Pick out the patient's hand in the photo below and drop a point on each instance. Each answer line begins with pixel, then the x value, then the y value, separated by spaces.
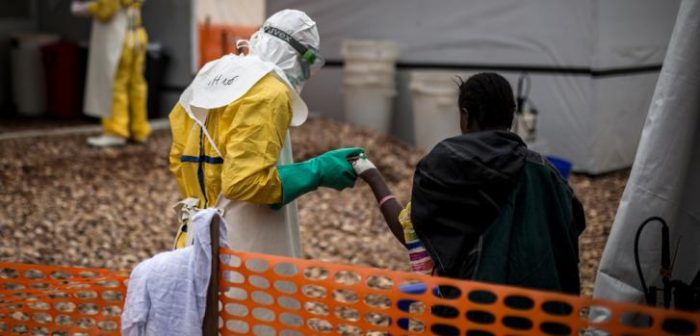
pixel 361 165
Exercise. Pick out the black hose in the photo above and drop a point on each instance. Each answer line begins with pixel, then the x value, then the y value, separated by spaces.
pixel 648 294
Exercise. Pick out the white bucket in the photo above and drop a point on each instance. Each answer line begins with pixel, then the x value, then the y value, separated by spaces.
pixel 28 78
pixel 435 107
pixel 369 107
pixel 369 82
pixel 369 50
pixel 368 66
pixel 360 79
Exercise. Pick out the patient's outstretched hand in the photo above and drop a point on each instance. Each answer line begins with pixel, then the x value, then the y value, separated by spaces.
pixel 362 164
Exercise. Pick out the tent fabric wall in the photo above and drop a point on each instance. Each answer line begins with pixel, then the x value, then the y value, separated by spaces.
pixel 617 115
pixel 573 43
pixel 664 180
pixel 54 17
pixel 631 32
pixel 171 23
pixel 502 32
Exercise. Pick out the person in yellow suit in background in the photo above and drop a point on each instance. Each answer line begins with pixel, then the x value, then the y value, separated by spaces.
pixel 116 90
pixel 231 146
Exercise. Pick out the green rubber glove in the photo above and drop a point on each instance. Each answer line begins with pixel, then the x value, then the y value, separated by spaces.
pixel 330 169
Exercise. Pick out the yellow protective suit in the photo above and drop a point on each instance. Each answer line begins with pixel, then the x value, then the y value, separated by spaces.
pixel 129 117
pixel 249 132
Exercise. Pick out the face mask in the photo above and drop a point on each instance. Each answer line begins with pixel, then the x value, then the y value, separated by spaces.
pixel 297 83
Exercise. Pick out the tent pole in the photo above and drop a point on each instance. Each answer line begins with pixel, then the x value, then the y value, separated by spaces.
pixel 210 325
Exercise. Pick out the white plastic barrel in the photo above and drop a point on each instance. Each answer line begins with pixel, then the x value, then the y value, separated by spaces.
pixel 369 84
pixel 369 107
pixel 27 70
pixel 435 107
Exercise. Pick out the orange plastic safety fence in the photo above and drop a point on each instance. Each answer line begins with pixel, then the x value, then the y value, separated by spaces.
pixel 54 300
pixel 268 295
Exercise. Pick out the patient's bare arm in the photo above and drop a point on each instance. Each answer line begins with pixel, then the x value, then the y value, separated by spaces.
pixel 388 204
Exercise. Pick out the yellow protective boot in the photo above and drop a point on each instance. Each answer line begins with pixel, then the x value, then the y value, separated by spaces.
pixel 129 118
pixel 138 93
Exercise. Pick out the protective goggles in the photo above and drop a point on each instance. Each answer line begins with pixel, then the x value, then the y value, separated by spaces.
pixel 310 58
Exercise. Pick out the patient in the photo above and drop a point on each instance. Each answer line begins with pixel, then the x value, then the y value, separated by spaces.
pixel 483 206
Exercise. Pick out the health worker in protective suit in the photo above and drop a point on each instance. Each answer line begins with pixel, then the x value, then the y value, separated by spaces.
pixel 116 89
pixel 231 147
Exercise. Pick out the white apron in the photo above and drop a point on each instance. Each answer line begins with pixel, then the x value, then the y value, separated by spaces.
pixel 251 227
pixel 106 43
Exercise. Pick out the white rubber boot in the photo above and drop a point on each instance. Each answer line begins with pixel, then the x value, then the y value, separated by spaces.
pixel 106 140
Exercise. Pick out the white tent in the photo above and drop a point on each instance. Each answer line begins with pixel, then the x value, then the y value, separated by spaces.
pixel 593 63
pixel 664 180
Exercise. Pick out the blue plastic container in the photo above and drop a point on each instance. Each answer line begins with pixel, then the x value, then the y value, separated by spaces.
pixel 563 166
pixel 416 288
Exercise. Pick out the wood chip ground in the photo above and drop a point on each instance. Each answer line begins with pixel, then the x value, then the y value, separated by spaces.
pixel 64 203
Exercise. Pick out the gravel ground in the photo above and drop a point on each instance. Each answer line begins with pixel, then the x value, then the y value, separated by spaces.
pixel 13 123
pixel 67 204
pixel 600 197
